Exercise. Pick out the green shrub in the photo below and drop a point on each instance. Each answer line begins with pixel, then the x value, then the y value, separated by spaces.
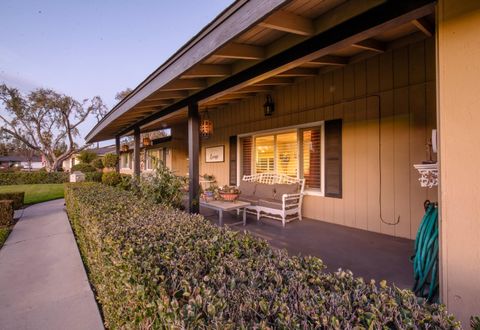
pixel 38 177
pixel 98 164
pixel 110 160
pixel 161 268
pixel 93 176
pixel 6 212
pixel 162 187
pixel 86 156
pixel 16 197
pixel 84 168
pixel 111 178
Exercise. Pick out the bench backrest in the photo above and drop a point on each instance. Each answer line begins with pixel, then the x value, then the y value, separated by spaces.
pixel 272 178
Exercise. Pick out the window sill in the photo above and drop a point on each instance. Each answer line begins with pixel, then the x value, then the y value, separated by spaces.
pixel 313 193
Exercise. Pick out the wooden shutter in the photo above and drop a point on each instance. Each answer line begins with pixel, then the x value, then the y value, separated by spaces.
pixel 246 145
pixel 233 161
pixel 333 158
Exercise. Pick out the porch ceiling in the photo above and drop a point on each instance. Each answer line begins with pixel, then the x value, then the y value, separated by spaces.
pixel 254 47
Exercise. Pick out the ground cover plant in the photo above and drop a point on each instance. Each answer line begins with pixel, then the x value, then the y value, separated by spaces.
pixel 158 267
pixel 36 193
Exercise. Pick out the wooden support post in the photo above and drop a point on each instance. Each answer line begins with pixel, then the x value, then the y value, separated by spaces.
pixel 117 152
pixel 193 158
pixel 136 151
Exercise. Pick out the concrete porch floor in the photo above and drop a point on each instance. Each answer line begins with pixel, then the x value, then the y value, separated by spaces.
pixel 366 254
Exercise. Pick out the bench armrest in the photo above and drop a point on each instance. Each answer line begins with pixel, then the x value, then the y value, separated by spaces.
pixel 291 199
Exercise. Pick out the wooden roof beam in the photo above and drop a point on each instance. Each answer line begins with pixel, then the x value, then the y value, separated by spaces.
pixel 298 72
pixel 371 45
pixel 254 89
pixel 330 60
pixel 241 51
pixel 288 22
pixel 207 70
pixel 151 104
pixel 424 26
pixel 274 82
pixel 165 95
pixel 236 96
pixel 185 84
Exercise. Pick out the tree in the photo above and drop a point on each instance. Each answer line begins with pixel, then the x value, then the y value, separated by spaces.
pixel 46 121
pixel 86 156
pixel 122 94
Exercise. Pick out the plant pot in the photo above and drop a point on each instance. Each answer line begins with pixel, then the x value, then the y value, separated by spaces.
pixel 229 197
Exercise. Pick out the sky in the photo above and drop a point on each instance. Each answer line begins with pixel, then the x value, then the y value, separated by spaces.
pixel 86 48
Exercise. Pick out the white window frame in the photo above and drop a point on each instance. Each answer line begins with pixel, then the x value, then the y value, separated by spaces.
pixel 128 160
pixel 299 129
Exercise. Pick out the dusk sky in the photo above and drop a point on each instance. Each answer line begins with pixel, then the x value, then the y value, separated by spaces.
pixel 87 48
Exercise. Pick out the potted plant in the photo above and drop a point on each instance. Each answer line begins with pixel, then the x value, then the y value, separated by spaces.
pixel 229 193
pixel 209 193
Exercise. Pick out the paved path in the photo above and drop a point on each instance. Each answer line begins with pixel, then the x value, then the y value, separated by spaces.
pixel 43 284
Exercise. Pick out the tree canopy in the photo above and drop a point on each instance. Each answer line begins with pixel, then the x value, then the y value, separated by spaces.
pixel 46 121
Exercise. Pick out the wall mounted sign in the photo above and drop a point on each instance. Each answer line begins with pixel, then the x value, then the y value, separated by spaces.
pixel 215 154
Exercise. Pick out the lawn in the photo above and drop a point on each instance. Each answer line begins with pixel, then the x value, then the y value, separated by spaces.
pixel 36 193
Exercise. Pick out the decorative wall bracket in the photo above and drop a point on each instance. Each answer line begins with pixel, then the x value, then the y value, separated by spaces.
pixel 428 174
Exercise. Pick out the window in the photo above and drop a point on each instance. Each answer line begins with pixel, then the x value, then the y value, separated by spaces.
pixel 154 156
pixel 296 152
pixel 126 160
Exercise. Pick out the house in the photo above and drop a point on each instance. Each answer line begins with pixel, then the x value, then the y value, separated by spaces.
pixel 73 160
pixel 22 161
pixel 349 95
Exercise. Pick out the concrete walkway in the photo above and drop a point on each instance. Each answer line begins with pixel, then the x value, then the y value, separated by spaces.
pixel 43 284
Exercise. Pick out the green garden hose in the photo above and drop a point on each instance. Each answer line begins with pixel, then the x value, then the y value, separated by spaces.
pixel 425 260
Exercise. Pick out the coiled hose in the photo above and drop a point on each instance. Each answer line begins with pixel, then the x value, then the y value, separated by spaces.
pixel 425 259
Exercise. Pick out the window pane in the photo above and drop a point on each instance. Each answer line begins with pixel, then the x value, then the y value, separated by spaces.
pixel 264 154
pixel 287 154
pixel 312 158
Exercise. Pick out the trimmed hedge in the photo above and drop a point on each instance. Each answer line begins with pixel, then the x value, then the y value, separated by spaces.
pixel 93 176
pixel 84 168
pixel 6 212
pixel 38 177
pixel 16 197
pixel 155 267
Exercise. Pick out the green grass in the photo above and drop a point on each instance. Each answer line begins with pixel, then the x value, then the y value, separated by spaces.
pixel 4 231
pixel 36 193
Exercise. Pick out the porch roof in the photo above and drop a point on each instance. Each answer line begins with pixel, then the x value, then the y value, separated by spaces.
pixel 254 46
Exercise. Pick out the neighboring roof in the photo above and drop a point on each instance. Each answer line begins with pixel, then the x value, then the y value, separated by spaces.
pixel 103 150
pixel 19 158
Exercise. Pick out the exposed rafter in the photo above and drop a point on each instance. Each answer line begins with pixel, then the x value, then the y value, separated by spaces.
pixel 330 60
pixel 236 96
pixel 241 51
pixel 288 22
pixel 185 84
pixel 424 26
pixel 207 70
pixel 163 95
pixel 254 89
pixel 273 81
pixel 370 44
pixel 151 104
pixel 298 72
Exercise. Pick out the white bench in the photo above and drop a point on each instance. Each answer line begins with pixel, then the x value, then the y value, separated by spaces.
pixel 269 198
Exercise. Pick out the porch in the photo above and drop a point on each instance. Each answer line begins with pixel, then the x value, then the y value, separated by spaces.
pixel 367 254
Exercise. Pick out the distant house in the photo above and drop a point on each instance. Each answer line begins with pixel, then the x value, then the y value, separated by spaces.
pixel 73 160
pixel 21 161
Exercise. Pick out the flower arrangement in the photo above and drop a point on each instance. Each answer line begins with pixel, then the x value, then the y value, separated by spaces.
pixel 229 193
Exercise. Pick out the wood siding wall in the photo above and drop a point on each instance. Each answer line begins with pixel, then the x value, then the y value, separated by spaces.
pixel 388 102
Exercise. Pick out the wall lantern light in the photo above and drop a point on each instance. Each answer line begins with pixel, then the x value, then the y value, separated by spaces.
pixel 124 147
pixel 206 126
pixel 268 106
